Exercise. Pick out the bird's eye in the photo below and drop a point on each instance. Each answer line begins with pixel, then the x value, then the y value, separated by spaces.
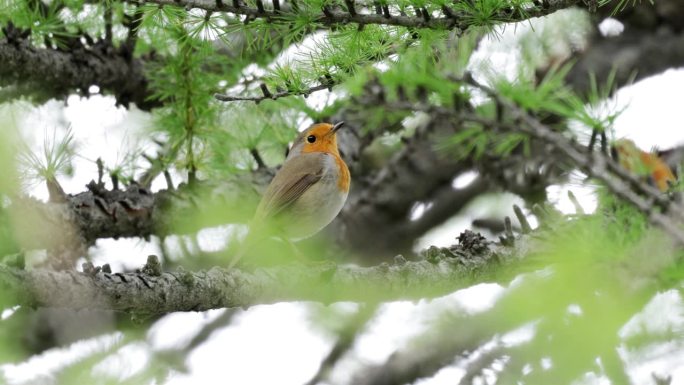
pixel 310 138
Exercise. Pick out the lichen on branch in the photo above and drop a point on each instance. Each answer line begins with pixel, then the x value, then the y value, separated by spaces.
pixel 150 291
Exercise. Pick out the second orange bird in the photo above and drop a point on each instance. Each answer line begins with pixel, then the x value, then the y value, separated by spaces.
pixel 644 163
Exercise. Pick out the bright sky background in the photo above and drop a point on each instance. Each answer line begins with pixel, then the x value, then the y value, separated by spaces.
pixel 284 335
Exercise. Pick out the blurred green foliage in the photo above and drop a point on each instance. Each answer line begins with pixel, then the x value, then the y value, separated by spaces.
pixel 587 275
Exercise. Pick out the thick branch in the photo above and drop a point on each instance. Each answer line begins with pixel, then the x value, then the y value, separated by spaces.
pixel 151 292
pixel 134 212
pixel 55 73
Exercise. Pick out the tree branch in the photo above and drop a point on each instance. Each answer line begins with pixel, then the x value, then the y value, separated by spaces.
pixel 153 292
pixel 331 16
pixel 437 347
pixel 376 218
pixel 55 73
pixel 134 212
pixel 268 95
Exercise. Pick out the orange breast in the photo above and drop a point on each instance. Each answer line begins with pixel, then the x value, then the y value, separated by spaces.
pixel 345 177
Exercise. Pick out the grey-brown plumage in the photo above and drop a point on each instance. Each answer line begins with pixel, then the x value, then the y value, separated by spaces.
pixel 307 193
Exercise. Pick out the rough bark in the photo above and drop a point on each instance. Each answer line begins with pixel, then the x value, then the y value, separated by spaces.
pixel 154 292
pixel 53 73
pixel 133 212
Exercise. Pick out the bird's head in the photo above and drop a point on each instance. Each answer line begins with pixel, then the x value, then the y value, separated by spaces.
pixel 319 137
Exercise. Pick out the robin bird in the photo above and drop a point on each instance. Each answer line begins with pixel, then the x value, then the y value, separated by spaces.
pixel 643 163
pixel 307 192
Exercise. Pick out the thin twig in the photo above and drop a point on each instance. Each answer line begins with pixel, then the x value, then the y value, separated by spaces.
pixel 277 95
pixel 257 158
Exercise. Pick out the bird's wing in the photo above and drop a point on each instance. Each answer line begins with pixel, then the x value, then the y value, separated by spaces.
pixel 301 173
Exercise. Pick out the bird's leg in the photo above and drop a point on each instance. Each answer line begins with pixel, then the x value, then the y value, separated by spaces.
pixel 301 257
pixel 244 246
pixel 236 258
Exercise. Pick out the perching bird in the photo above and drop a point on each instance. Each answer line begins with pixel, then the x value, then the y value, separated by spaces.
pixel 307 192
pixel 643 163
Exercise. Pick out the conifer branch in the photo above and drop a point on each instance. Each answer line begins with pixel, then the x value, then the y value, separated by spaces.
pixel 272 96
pixel 151 291
pixel 133 212
pixel 54 73
pixel 331 16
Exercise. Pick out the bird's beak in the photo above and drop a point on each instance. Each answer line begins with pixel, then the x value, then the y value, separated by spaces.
pixel 336 127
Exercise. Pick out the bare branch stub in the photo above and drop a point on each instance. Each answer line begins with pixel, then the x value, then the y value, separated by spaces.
pixel 508 239
pixel 524 224
pixel 579 210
